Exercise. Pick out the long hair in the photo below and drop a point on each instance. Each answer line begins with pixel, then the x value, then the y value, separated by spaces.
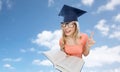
pixel 75 35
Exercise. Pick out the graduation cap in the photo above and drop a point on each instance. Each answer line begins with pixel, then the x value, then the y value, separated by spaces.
pixel 70 13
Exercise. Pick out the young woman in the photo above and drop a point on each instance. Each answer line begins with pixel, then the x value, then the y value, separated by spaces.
pixel 73 42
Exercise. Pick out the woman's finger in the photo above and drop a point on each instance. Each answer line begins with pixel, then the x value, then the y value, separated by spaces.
pixel 91 35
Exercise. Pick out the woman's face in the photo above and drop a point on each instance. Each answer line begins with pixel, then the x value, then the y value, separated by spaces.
pixel 68 28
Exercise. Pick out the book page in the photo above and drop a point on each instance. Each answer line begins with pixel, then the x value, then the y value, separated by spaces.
pixel 55 55
pixel 71 64
pixel 63 62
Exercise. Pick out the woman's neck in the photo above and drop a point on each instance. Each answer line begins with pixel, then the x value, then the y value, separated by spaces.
pixel 72 40
pixel 70 37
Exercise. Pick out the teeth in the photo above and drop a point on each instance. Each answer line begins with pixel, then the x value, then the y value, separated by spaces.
pixel 67 31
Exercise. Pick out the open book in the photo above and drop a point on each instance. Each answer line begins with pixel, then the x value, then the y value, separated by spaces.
pixel 63 62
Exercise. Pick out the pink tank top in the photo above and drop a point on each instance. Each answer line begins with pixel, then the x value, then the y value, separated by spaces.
pixel 76 50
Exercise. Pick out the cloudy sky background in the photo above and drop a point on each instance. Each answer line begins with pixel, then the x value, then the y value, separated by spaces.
pixel 30 27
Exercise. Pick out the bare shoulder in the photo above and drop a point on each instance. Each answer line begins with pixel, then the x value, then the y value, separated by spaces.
pixel 82 35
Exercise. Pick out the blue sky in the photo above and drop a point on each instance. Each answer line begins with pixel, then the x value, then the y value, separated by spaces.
pixel 30 27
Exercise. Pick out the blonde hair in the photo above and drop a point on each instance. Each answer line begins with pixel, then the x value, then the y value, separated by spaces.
pixel 76 34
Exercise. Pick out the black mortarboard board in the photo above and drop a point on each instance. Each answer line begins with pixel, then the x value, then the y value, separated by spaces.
pixel 70 13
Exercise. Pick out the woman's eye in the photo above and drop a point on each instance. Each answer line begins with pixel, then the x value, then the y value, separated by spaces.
pixel 70 25
pixel 63 25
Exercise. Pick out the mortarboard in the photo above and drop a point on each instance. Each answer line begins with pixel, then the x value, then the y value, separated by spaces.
pixel 70 13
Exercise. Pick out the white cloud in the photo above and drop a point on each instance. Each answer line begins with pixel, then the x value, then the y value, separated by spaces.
pixel 112 31
pixel 109 6
pixel 9 4
pixel 17 59
pixel 102 27
pixel 40 71
pixel 50 2
pixel 49 71
pixel 43 62
pixel 28 50
pixel 32 49
pixel 117 18
pixel 115 34
pixel 88 2
pixel 22 50
pixel 112 70
pixel 8 66
pixel 36 62
pixel 0 5
pixel 48 39
pixel 12 60
pixel 95 69
pixel 39 52
pixel 115 28
pixel 103 55
pixel 46 63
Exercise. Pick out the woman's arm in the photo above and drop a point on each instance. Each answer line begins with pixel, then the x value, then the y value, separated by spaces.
pixel 61 45
pixel 90 42
pixel 86 50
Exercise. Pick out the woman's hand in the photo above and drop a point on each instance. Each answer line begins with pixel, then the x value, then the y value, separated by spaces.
pixel 90 41
pixel 67 55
